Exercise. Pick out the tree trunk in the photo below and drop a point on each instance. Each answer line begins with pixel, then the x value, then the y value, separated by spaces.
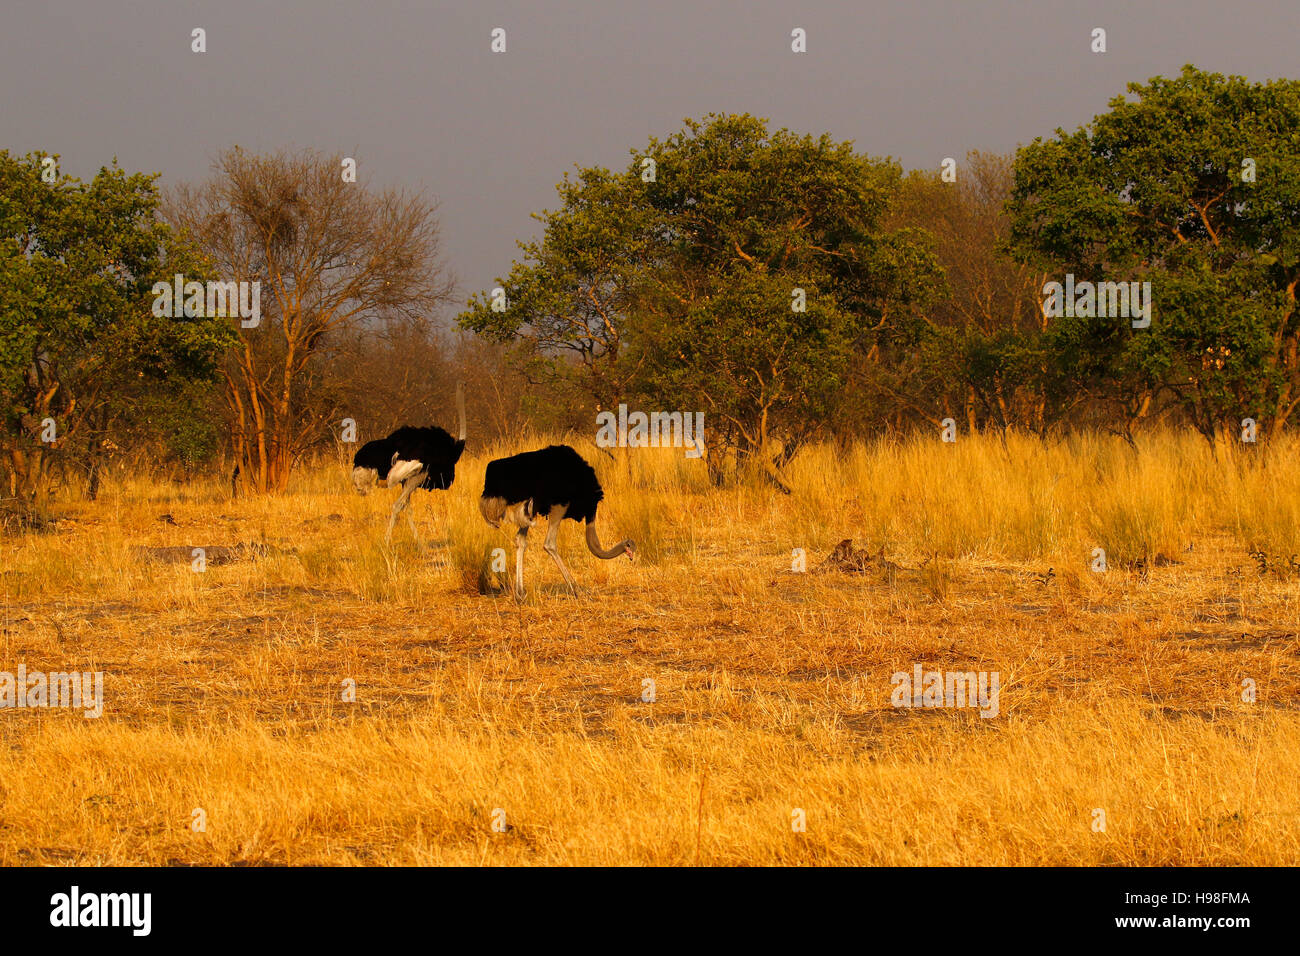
pixel 92 480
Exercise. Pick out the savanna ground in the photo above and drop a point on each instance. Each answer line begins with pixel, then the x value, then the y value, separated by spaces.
pixel 1121 691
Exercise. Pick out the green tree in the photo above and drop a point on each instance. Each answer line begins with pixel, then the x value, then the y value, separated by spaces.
pixel 565 307
pixel 78 341
pixel 728 269
pixel 1193 186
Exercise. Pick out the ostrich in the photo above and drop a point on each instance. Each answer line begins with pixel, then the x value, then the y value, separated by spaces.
pixel 554 482
pixel 413 458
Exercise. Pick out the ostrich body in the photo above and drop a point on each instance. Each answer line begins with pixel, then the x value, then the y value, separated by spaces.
pixel 413 458
pixel 554 483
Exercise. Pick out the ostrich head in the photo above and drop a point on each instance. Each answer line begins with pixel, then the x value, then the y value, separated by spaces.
pixel 363 479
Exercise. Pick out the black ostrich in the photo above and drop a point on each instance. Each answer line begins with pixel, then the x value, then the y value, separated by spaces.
pixel 413 458
pixel 553 482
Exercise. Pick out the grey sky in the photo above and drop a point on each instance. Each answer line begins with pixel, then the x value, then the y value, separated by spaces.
pixel 413 90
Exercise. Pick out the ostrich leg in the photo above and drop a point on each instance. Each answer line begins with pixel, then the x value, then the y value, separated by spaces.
pixel 407 488
pixel 552 534
pixel 521 542
pixel 415 532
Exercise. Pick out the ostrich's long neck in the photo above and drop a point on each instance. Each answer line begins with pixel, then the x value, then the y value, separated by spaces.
pixel 460 407
pixel 593 544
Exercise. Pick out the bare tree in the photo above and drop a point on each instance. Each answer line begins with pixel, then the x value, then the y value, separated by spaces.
pixel 991 296
pixel 330 255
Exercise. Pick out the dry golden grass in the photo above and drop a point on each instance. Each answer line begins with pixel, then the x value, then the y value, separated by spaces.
pixel 1121 691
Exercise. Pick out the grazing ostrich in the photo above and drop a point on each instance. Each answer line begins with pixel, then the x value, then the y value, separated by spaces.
pixel 554 482
pixel 413 458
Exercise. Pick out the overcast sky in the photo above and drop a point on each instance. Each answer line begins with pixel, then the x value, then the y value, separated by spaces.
pixel 413 90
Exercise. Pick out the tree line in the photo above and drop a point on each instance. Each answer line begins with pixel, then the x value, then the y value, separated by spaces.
pixel 790 286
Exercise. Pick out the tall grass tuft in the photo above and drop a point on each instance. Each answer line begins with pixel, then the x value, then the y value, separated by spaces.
pixel 1262 504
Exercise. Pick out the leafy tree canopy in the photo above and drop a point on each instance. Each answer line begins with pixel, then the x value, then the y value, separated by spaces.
pixel 77 335
pixel 1194 186
pixel 728 269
